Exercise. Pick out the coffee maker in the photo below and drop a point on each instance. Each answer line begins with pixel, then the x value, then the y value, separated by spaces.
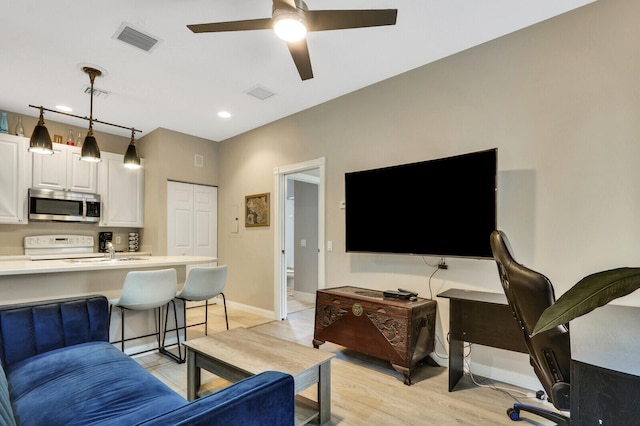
pixel 103 239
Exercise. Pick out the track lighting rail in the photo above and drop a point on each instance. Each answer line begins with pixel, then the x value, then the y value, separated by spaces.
pixel 95 120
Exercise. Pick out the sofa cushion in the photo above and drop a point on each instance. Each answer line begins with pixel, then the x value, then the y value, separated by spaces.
pixel 87 384
pixel 34 328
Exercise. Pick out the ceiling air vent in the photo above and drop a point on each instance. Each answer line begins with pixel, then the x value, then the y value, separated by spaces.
pixel 97 93
pixel 135 38
pixel 260 92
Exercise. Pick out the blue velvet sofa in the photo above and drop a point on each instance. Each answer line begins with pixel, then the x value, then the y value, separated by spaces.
pixel 58 368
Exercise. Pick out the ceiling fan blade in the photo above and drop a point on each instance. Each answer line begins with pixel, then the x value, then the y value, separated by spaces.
pixel 251 24
pixel 300 54
pixel 322 20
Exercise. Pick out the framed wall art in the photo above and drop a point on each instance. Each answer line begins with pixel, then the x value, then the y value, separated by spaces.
pixel 256 209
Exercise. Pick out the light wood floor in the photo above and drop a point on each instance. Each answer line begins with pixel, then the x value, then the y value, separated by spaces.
pixel 364 390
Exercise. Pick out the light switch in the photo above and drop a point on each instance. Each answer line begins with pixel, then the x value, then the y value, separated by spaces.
pixel 303 243
pixel 329 245
pixel 235 219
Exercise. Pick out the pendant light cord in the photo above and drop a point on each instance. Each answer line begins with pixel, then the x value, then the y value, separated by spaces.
pixel 92 76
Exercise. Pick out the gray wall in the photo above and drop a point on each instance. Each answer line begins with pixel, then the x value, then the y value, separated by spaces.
pixel 170 155
pixel 306 228
pixel 560 100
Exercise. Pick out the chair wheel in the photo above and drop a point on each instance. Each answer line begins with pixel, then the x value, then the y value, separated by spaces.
pixel 513 414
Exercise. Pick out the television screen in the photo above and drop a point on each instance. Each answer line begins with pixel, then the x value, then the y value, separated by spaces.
pixel 444 207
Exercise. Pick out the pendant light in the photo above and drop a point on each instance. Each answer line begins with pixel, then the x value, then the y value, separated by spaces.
pixel 131 159
pixel 90 150
pixel 40 140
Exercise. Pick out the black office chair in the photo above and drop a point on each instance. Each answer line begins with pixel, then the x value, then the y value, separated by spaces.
pixel 529 294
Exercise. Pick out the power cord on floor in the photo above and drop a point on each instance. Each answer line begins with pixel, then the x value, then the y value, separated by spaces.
pixel 491 385
pixel 507 391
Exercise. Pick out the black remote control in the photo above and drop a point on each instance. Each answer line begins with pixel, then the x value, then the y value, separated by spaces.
pixel 397 294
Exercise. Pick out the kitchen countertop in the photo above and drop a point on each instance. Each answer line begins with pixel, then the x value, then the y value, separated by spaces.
pixel 22 265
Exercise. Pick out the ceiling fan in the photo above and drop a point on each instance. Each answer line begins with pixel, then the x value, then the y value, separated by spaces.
pixel 291 20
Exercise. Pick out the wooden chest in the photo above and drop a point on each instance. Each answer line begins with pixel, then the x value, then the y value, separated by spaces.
pixel 399 331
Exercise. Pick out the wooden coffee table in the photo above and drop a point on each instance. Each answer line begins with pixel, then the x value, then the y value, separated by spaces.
pixel 241 352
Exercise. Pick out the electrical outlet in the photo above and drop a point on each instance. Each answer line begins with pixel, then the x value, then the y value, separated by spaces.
pixel 118 239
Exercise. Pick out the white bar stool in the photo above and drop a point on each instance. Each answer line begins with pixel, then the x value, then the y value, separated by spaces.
pixel 202 283
pixel 145 290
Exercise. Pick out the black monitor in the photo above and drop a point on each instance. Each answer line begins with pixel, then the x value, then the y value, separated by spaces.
pixel 443 207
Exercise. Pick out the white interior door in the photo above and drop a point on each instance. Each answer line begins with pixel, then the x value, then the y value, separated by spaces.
pixel 192 222
pixel 192 219
pixel 205 219
pixel 180 222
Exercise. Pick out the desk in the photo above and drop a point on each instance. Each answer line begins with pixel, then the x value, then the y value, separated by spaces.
pixel 482 318
pixel 605 374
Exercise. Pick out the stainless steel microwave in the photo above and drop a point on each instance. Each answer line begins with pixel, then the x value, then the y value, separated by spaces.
pixel 63 206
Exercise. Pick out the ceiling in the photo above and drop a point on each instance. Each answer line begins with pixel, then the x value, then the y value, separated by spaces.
pixel 187 78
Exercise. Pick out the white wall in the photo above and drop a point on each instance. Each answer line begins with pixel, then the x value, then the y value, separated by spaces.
pixel 560 100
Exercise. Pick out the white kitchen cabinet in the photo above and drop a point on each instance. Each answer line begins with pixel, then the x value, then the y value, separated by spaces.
pixel 64 171
pixel 15 175
pixel 121 191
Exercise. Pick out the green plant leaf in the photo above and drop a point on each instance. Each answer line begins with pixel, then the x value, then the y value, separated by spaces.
pixel 589 293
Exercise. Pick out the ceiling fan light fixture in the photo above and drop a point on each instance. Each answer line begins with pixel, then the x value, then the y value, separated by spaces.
pixel 289 25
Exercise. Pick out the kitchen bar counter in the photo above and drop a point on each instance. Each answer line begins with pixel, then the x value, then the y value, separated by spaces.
pixel 30 280
pixel 23 280
pixel 29 267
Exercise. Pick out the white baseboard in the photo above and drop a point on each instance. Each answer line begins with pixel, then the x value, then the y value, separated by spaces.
pixel 212 301
pixel 304 297
pixel 252 309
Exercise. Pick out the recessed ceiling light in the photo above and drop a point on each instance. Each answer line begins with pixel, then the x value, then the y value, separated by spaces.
pixel 64 108
pixel 224 114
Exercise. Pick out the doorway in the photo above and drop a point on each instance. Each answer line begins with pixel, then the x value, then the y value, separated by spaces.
pixel 301 239
pixel 299 230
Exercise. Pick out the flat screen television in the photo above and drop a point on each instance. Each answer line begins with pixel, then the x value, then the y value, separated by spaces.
pixel 444 207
